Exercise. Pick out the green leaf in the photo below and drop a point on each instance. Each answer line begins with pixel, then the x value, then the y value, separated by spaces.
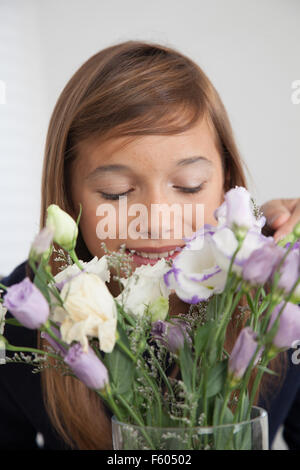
pixel 222 436
pixel 268 371
pixel 41 281
pixel 121 368
pixel 216 378
pixel 186 365
pixel 13 321
pixel 213 308
pixel 201 338
pixel 228 416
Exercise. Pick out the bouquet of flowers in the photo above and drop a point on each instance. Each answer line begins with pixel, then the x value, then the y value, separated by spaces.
pixel 164 377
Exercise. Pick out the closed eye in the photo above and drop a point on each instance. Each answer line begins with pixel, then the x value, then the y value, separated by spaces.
pixel 114 197
pixel 196 189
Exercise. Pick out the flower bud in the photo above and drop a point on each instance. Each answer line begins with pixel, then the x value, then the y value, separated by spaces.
pixel 289 325
pixel 242 354
pixel 240 217
pixel 296 230
pixel 171 334
pixel 87 367
pixel 41 245
pixel 64 227
pixel 159 308
pixel 27 304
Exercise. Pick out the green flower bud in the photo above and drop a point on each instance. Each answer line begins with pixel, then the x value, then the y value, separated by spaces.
pixel 159 309
pixel 64 226
pixel 296 230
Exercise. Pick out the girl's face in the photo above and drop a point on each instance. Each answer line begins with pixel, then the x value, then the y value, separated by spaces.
pixel 181 169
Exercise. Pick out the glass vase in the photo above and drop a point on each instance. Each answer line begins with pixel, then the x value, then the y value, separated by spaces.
pixel 246 435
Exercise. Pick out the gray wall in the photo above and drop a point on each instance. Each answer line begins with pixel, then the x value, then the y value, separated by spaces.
pixel 248 48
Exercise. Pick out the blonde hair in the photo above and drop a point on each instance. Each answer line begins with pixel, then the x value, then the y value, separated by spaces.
pixel 129 89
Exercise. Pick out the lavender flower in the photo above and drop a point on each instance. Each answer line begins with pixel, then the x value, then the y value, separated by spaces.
pixel 27 304
pixel 239 213
pixel 289 271
pixel 171 335
pixel 260 265
pixel 41 243
pixel 87 367
pixel 288 330
pixel 242 353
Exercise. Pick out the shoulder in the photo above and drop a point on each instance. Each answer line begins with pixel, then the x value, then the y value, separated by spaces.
pixel 17 275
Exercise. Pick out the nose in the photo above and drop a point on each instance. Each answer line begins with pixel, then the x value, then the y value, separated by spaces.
pixel 160 218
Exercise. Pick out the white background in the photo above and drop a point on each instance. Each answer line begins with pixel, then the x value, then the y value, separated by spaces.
pixel 250 49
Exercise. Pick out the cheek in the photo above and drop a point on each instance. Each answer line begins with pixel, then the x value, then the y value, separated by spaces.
pixel 91 223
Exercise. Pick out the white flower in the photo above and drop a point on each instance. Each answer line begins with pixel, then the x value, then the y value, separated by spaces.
pixel 89 310
pixel 143 287
pixel 64 227
pixel 225 244
pixel 3 311
pixel 195 275
pixel 97 266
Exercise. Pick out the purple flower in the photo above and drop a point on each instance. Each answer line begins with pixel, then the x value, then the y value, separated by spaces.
pixel 288 330
pixel 242 352
pixel 239 212
pixel 171 335
pixel 42 241
pixel 27 304
pixel 260 265
pixel 87 367
pixel 289 271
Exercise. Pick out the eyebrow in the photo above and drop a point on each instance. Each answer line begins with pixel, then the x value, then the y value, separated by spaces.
pixel 121 168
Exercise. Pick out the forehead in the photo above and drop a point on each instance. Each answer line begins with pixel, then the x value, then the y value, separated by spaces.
pixel 148 149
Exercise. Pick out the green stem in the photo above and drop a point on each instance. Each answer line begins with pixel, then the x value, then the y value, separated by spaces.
pixel 226 398
pixel 137 420
pixel 75 259
pixel 50 277
pixel 146 376
pixel 257 382
pixel 10 347
pixel 127 351
pixel 47 327
pixel 3 286
pixel 165 378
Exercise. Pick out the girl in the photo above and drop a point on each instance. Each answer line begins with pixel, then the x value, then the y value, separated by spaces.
pixel 141 120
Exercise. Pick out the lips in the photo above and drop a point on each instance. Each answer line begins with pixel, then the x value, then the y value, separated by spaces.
pixel 150 255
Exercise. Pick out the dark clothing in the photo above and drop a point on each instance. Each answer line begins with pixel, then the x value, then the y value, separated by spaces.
pixel 23 415
pixel 24 423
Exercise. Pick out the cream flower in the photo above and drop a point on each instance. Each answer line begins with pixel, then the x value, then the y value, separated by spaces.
pixel 89 310
pixel 97 266
pixel 144 287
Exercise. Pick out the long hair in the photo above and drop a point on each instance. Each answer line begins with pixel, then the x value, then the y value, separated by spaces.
pixel 128 89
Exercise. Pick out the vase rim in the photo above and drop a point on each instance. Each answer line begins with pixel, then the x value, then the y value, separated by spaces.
pixel 262 414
